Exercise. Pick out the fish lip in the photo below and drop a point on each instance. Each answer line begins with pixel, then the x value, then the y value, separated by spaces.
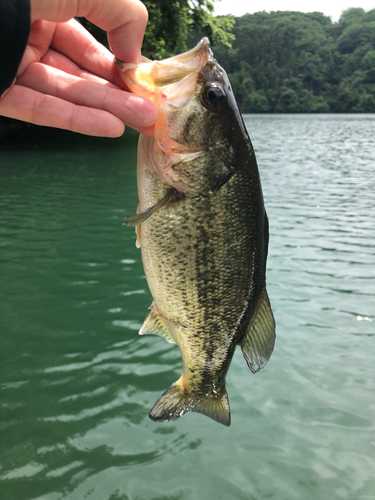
pixel 167 71
pixel 201 49
pixel 203 46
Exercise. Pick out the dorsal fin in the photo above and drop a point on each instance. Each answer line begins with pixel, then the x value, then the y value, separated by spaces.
pixel 259 340
pixel 154 325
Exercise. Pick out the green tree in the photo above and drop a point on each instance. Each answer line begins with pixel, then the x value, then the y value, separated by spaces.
pixel 170 24
pixel 368 65
pixel 299 62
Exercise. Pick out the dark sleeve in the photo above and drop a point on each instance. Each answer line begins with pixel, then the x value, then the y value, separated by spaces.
pixel 14 33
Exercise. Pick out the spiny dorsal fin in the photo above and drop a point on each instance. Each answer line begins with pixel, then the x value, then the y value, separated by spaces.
pixel 154 325
pixel 140 217
pixel 259 340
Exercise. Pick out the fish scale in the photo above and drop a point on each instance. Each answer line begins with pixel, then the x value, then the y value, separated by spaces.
pixel 203 231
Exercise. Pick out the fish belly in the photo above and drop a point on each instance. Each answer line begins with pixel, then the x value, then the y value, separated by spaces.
pixel 201 257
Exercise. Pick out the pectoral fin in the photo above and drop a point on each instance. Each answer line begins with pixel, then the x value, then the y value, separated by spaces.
pixel 138 218
pixel 154 325
pixel 259 340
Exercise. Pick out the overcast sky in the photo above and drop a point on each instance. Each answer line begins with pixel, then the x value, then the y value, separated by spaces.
pixel 332 8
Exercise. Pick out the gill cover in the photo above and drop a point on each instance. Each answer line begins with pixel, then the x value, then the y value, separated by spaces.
pixel 181 89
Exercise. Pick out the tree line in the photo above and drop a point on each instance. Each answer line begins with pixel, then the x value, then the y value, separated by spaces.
pixel 292 62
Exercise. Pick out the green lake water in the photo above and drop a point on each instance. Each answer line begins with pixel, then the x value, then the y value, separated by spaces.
pixel 77 382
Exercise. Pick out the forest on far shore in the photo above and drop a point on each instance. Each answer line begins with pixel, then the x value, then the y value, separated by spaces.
pixel 292 62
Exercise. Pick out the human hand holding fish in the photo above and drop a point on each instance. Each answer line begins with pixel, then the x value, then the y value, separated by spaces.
pixel 67 80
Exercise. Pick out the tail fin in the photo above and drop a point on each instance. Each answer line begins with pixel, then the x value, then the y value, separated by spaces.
pixel 174 403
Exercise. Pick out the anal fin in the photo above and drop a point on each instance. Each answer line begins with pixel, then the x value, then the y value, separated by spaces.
pixel 259 340
pixel 154 325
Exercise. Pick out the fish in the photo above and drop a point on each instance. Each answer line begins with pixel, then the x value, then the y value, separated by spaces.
pixel 202 228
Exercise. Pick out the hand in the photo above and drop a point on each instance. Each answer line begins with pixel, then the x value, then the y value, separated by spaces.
pixel 68 80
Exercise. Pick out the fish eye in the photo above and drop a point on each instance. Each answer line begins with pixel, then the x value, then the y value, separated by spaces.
pixel 213 95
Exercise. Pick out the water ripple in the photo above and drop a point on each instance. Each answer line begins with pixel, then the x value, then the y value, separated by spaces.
pixel 77 381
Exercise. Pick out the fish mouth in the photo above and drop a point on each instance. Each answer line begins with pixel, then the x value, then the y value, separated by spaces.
pixel 192 59
pixel 154 79
pixel 172 84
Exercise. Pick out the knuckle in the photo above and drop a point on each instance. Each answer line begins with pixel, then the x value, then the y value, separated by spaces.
pixel 37 109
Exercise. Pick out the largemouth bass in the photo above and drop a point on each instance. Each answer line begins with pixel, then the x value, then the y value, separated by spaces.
pixel 202 228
